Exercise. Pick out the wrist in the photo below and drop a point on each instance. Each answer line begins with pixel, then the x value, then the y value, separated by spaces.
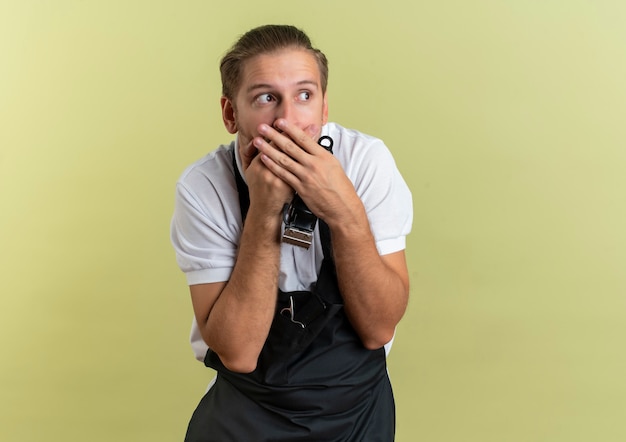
pixel 264 224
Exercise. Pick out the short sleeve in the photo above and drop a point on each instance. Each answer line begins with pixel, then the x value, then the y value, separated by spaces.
pixel 206 224
pixel 382 189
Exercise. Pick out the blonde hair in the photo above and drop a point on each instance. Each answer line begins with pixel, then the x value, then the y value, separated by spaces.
pixel 262 40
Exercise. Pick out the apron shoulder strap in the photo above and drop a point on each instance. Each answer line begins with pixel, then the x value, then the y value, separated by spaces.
pixel 242 189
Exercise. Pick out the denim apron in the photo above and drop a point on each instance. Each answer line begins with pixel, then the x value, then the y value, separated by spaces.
pixel 314 381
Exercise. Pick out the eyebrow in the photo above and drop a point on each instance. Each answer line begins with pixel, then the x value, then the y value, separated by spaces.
pixel 257 86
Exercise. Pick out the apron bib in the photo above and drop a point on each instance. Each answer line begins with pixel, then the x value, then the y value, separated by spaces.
pixel 314 380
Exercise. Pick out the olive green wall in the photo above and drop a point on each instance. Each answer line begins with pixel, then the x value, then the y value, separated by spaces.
pixel 506 118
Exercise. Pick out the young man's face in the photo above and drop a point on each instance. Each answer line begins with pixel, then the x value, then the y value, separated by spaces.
pixel 284 84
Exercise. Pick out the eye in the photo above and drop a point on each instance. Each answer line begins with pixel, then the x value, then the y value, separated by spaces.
pixel 304 96
pixel 264 98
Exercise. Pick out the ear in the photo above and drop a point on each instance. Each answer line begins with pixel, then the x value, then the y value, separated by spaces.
pixel 228 115
pixel 325 110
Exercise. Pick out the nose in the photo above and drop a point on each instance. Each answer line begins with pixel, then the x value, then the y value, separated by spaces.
pixel 288 111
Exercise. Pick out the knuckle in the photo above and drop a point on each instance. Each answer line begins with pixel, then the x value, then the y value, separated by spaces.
pixel 284 161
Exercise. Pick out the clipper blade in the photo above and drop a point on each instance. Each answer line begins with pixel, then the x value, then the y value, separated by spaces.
pixel 297 237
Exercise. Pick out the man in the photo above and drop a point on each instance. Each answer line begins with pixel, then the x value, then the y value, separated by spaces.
pixel 298 336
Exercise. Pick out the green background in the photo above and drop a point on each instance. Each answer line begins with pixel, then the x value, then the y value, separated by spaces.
pixel 505 117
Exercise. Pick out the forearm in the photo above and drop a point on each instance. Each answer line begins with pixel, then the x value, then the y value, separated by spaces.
pixel 239 322
pixel 375 293
pixel 374 288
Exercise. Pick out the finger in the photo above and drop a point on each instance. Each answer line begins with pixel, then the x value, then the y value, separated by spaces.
pixel 305 138
pixel 279 154
pixel 281 142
